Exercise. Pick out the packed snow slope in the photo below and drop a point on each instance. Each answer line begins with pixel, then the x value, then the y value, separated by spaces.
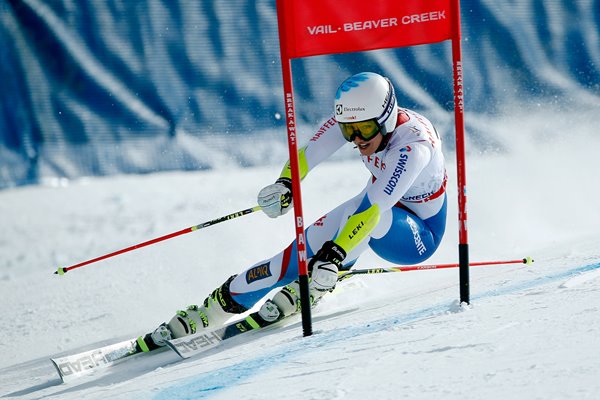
pixel 531 331
pixel 106 87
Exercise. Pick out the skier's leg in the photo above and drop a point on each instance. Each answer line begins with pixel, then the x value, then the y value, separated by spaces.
pixel 241 292
pixel 409 239
pixel 326 228
pixel 237 295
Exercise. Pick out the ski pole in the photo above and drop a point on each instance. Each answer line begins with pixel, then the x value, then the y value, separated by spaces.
pixel 347 274
pixel 64 270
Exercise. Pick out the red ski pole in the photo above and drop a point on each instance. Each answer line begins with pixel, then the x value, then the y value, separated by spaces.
pixel 347 274
pixel 64 270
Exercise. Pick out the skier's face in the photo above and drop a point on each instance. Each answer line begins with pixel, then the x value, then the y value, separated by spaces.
pixel 368 147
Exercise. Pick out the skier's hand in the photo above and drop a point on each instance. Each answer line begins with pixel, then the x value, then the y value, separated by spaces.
pixel 276 199
pixel 324 266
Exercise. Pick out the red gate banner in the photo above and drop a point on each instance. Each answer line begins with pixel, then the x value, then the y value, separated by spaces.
pixel 316 27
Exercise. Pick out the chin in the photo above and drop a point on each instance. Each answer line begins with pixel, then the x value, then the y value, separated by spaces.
pixel 366 152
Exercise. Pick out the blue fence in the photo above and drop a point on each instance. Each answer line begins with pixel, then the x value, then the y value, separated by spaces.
pixel 106 86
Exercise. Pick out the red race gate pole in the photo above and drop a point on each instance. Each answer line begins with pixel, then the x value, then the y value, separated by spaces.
pixel 290 117
pixel 463 241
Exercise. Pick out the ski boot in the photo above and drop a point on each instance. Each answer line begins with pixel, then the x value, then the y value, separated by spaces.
pixel 323 278
pixel 287 302
pixel 217 308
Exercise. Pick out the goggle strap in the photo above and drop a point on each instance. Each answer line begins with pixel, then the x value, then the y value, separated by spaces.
pixel 388 108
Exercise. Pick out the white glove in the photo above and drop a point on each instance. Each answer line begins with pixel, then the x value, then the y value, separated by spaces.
pixel 276 199
pixel 324 266
pixel 324 276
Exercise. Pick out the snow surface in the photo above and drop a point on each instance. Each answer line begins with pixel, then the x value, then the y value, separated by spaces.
pixel 531 332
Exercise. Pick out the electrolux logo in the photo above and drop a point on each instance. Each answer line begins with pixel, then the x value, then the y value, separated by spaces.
pixel 351 109
pixel 340 109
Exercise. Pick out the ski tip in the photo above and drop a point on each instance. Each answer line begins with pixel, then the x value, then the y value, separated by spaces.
pixel 528 260
pixel 60 271
pixel 60 373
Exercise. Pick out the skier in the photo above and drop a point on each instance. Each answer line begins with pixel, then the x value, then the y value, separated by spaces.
pixel 400 214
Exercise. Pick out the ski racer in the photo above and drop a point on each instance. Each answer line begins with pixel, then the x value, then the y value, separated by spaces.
pixel 400 214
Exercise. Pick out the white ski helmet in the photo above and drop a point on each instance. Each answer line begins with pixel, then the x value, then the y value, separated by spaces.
pixel 365 104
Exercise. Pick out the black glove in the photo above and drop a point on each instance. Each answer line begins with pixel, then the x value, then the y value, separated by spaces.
pixel 329 253
pixel 286 198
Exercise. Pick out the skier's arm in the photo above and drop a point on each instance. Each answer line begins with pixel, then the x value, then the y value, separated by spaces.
pixel 276 199
pixel 402 170
pixel 326 141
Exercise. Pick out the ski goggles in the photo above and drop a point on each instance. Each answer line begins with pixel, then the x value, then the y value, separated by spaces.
pixel 366 130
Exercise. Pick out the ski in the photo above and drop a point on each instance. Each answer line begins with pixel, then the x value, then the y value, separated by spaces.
pixel 85 363
pixel 74 366
pixel 77 365
pixel 195 344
